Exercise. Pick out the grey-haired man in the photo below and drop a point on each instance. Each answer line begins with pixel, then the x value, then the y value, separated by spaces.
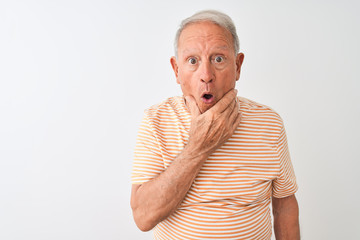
pixel 208 164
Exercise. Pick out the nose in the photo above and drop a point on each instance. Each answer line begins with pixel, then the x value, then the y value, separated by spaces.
pixel 206 72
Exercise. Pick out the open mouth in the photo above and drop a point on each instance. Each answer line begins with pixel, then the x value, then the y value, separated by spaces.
pixel 208 98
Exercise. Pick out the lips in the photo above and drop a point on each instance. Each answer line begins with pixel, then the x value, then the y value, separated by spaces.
pixel 208 98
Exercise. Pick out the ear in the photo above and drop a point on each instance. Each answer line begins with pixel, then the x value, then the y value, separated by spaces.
pixel 175 68
pixel 239 61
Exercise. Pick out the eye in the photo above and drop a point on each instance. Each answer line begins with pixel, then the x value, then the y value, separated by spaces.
pixel 192 61
pixel 219 59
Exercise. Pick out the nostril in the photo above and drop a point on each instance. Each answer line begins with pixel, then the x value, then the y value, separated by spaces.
pixel 206 81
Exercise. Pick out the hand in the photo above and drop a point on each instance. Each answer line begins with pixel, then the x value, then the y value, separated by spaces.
pixel 210 130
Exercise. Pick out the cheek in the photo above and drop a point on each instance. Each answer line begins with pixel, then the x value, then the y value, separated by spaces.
pixel 183 84
pixel 186 83
pixel 227 78
pixel 225 82
pixel 187 87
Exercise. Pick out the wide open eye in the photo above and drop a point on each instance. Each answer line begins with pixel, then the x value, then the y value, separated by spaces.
pixel 192 61
pixel 219 59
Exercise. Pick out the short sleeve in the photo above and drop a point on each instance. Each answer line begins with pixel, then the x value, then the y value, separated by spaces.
pixel 285 184
pixel 148 161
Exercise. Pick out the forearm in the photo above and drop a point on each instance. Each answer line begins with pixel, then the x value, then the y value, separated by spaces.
pixel 286 218
pixel 158 198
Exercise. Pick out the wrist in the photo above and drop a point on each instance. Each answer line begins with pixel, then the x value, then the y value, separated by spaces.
pixel 193 153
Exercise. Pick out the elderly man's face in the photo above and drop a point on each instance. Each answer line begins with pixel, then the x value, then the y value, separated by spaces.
pixel 206 67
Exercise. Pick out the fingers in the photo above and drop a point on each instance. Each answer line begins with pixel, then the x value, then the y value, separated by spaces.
pixel 237 121
pixel 233 107
pixel 225 101
pixel 192 105
pixel 233 111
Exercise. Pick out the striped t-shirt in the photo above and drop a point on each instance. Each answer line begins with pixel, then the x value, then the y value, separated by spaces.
pixel 231 195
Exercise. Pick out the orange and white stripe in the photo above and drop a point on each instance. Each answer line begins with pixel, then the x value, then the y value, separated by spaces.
pixel 230 197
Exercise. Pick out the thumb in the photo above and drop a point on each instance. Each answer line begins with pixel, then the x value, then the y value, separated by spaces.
pixel 192 106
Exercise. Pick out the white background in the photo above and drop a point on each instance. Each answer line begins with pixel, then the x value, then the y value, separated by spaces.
pixel 75 77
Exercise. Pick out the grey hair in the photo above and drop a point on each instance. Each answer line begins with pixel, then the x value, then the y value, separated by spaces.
pixel 214 16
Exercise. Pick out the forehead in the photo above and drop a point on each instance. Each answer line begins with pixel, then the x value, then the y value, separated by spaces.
pixel 207 33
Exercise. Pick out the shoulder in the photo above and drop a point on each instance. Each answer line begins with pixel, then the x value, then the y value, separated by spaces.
pixel 168 108
pixel 166 105
pixel 260 112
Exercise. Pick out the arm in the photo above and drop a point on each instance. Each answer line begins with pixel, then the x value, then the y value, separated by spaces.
pixel 155 200
pixel 286 218
pixel 158 198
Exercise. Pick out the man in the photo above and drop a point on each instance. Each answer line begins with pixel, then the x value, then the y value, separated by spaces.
pixel 207 165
